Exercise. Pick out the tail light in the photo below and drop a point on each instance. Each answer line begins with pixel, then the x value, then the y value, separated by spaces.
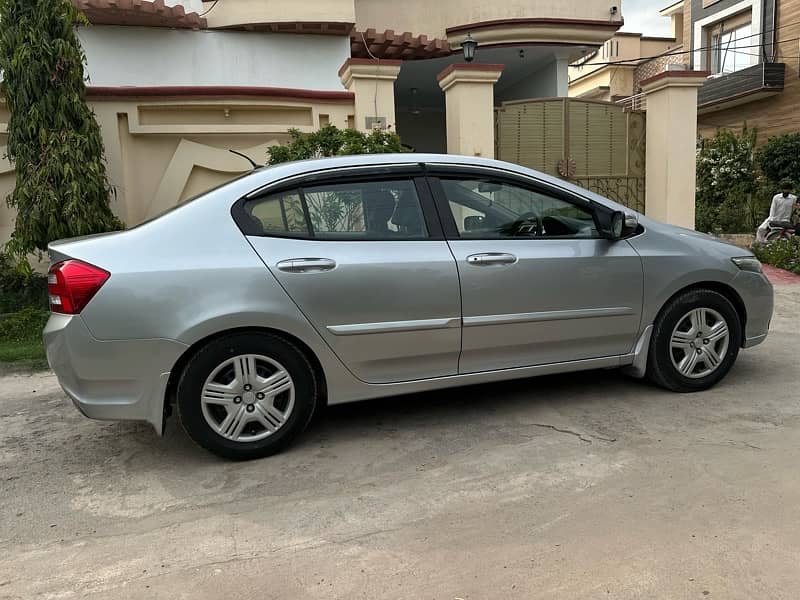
pixel 72 283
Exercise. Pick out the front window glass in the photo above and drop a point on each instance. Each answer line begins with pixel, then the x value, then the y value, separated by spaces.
pixel 484 209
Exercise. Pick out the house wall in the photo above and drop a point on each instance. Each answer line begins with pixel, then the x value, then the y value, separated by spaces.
pixel 703 12
pixel 619 79
pixel 154 56
pixel 160 152
pixel 543 83
pixel 433 18
pixel 232 13
pixel 771 116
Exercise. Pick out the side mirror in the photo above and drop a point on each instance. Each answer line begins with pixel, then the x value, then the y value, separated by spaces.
pixel 610 223
pixel 473 223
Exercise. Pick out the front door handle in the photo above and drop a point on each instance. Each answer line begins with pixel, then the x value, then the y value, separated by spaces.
pixel 306 265
pixel 491 258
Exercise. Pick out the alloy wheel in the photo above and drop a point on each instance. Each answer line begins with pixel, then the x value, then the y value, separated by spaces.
pixel 699 343
pixel 248 398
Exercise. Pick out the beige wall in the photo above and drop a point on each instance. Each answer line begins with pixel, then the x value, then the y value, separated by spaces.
pixel 161 152
pixel 433 18
pixel 469 106
pixel 231 13
pixel 618 80
pixel 671 142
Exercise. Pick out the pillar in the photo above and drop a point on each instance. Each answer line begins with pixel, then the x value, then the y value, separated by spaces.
pixel 671 142
pixel 469 102
pixel 372 83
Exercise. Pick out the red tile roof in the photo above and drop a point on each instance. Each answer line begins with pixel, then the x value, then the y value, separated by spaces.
pixel 152 13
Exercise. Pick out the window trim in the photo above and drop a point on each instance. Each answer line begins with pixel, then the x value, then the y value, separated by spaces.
pixel 413 175
pixel 449 223
pixel 700 57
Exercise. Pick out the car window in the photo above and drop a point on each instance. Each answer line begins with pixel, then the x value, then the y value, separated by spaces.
pixel 344 211
pixel 484 209
pixel 279 213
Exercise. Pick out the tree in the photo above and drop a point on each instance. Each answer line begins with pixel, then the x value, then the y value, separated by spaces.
pixel 332 141
pixel 54 140
pixel 779 158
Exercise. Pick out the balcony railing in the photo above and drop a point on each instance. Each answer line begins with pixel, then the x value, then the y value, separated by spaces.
pixel 731 89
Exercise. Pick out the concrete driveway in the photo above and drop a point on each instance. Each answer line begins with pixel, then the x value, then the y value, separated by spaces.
pixel 580 486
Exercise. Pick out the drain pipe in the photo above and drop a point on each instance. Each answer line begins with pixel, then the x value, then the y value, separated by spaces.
pixel 774 30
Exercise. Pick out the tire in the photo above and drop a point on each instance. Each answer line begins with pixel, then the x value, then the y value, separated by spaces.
pixel 223 415
pixel 681 317
pixel 777 234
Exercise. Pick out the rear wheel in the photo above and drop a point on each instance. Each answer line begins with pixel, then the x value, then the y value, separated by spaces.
pixel 695 341
pixel 246 395
pixel 778 234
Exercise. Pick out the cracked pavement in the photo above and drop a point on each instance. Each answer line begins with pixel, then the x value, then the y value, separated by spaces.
pixel 559 487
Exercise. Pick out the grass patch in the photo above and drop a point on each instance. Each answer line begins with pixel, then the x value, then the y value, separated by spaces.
pixel 21 337
pixel 28 351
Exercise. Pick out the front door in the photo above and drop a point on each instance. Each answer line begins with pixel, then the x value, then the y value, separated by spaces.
pixel 538 284
pixel 369 269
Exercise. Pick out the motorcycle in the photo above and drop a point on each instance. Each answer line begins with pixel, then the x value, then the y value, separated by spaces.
pixel 780 230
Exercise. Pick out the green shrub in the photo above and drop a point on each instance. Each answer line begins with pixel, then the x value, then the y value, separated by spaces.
pixel 784 254
pixel 20 288
pixel 332 141
pixel 779 158
pixel 23 326
pixel 731 198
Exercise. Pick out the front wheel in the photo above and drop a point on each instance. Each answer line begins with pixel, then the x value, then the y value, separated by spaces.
pixel 695 341
pixel 246 395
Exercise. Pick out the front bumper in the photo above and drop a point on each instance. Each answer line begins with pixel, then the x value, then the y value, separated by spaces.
pixel 115 380
pixel 757 294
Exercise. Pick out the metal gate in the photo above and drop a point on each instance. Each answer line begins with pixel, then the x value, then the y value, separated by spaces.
pixel 597 145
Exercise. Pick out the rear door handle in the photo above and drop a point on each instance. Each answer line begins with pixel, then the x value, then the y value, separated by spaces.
pixel 491 258
pixel 306 265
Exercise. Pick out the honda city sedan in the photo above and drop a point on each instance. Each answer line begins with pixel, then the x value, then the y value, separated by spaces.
pixel 334 280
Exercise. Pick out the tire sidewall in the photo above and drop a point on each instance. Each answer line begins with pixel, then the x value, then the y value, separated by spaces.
pixel 218 351
pixel 674 312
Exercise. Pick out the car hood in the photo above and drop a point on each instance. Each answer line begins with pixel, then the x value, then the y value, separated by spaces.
pixel 698 240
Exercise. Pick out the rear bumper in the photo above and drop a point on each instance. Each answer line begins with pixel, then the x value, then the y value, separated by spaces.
pixel 115 380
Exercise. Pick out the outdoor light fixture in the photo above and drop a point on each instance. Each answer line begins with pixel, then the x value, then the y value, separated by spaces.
pixel 468 46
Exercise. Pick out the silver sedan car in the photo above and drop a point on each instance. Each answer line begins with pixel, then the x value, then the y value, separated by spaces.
pixel 334 280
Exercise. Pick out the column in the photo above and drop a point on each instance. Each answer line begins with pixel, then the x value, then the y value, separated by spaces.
pixel 372 83
pixel 671 143
pixel 469 102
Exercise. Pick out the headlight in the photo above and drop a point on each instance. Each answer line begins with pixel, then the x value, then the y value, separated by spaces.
pixel 747 263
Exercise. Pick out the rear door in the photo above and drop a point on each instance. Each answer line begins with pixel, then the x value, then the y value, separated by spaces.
pixel 539 285
pixel 365 259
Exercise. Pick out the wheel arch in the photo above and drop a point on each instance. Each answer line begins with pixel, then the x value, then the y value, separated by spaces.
pixel 721 288
pixel 183 360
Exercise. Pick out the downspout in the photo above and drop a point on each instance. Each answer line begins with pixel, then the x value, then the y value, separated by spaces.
pixel 775 30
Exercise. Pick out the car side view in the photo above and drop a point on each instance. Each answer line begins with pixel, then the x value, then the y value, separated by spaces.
pixel 343 279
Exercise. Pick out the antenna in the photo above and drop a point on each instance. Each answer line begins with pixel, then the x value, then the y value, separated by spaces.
pixel 247 158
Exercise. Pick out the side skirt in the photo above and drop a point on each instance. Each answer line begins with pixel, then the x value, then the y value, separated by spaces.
pixel 422 385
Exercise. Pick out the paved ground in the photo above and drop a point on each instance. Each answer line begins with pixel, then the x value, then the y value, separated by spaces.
pixel 587 486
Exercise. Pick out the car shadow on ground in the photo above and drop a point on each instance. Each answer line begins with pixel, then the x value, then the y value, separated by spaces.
pixel 428 413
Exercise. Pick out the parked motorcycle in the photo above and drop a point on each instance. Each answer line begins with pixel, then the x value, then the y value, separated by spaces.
pixel 780 230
